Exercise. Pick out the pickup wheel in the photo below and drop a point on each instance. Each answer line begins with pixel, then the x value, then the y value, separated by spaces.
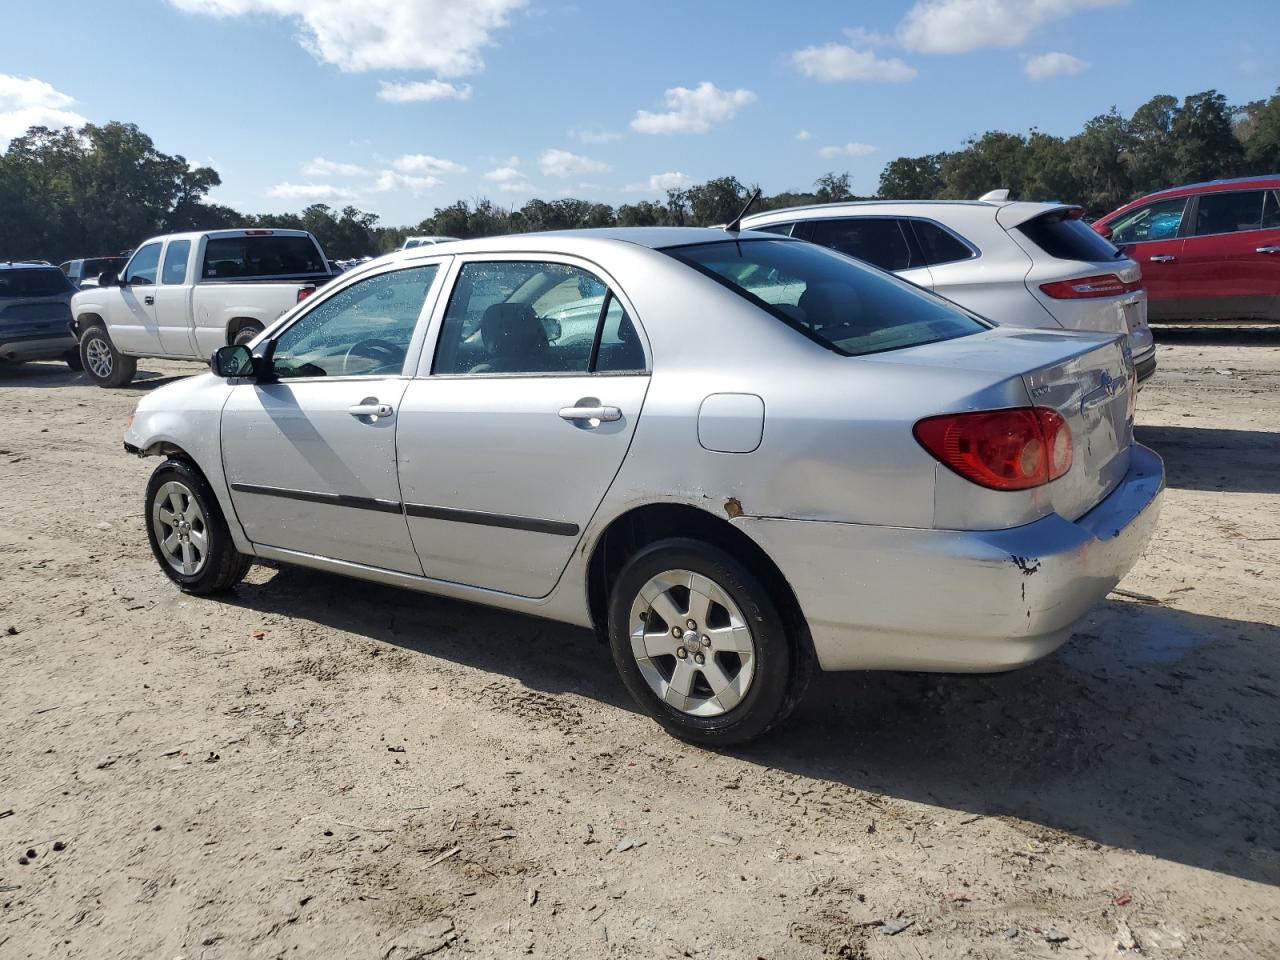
pixel 105 365
pixel 245 333
pixel 188 532
pixel 700 643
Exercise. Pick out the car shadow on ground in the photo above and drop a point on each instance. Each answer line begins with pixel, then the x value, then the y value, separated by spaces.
pixel 43 376
pixel 1216 334
pixel 1207 458
pixel 1155 729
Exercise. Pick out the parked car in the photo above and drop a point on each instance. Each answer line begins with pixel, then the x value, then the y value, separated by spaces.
pixel 1209 251
pixel 35 314
pixel 762 455
pixel 85 273
pixel 411 242
pixel 1017 264
pixel 182 296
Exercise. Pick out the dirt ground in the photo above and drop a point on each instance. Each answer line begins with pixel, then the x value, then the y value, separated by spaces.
pixel 385 775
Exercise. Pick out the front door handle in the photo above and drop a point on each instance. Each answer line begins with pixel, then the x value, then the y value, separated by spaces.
pixel 598 412
pixel 1165 258
pixel 370 407
pixel 149 300
pixel 1268 250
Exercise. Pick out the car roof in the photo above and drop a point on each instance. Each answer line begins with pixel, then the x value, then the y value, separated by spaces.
pixel 1211 186
pixel 567 241
pixel 26 265
pixel 921 205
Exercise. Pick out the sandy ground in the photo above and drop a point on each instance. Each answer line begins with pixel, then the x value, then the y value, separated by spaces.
pixel 386 775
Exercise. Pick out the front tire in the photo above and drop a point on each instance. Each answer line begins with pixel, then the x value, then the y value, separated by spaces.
pixel 105 365
pixel 700 644
pixel 188 532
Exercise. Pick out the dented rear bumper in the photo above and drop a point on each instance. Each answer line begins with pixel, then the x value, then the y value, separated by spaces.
pixel 894 598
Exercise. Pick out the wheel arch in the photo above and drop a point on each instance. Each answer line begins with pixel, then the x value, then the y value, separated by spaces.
pixel 89 319
pixel 236 324
pixel 640 526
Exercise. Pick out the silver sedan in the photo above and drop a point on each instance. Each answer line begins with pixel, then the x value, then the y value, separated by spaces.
pixel 737 456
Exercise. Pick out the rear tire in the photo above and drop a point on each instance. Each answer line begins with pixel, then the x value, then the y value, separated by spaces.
pixel 727 679
pixel 105 365
pixel 246 333
pixel 188 533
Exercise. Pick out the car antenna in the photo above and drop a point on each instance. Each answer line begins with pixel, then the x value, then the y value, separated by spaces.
pixel 735 225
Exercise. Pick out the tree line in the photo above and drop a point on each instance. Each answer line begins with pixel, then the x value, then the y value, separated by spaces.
pixel 101 189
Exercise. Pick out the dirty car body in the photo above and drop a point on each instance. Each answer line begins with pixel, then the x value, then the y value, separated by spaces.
pixel 528 421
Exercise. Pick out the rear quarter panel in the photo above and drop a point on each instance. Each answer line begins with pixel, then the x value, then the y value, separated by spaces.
pixel 215 306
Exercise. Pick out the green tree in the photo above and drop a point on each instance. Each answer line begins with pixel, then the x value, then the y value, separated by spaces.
pixel 1258 129
pixel 912 178
pixel 1205 146
pixel 994 161
pixel 716 201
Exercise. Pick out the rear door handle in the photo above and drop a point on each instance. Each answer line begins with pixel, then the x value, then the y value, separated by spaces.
pixel 149 300
pixel 602 413
pixel 1166 258
pixel 370 407
pixel 1268 250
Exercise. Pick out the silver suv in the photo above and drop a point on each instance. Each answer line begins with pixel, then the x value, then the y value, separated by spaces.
pixel 1016 263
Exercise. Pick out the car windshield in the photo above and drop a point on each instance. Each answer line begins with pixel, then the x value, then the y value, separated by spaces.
pixel 835 300
pixel 39 282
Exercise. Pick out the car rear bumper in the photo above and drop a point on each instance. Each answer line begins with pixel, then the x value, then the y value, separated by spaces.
pixel 893 598
pixel 49 345
pixel 1145 366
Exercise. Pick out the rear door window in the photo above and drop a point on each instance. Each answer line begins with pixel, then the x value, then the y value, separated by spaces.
pixel 175 262
pixel 880 241
pixel 939 245
pixel 1063 235
pixel 1271 210
pixel 1156 221
pixel 1232 212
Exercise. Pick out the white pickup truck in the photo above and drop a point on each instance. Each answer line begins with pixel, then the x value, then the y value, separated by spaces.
pixel 183 296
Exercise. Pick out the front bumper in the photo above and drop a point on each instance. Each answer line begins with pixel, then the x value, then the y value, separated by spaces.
pixel 895 598
pixel 50 345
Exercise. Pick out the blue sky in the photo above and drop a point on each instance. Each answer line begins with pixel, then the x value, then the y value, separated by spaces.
pixel 401 106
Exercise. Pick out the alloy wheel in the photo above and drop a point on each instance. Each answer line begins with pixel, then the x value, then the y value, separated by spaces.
pixel 180 528
pixel 692 644
pixel 98 354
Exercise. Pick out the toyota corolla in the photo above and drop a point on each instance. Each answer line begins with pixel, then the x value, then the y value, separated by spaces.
pixel 736 456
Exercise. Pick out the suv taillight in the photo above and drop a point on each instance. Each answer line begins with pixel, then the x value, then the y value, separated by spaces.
pixel 304 292
pixel 1082 288
pixel 1001 449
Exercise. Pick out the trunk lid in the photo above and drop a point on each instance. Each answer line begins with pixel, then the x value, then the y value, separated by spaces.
pixel 1088 378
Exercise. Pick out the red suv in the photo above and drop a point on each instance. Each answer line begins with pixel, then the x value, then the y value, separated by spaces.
pixel 1209 251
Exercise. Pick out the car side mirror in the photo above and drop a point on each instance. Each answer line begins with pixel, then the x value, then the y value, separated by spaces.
pixel 232 361
pixel 109 278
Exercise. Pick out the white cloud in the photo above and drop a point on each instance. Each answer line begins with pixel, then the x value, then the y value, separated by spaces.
pixel 958 26
pixel 595 136
pixel 846 150
pixel 520 186
pixel 420 91
pixel 505 174
pixel 803 135
pixel 389 180
pixel 320 167
pixel 833 62
pixel 421 163
pixel 311 192
pixel 562 163
pixel 443 36
pixel 692 111
pixel 661 183
pixel 1054 64
pixel 28 102
pixel 860 37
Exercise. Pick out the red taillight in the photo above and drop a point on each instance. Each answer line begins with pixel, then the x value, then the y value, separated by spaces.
pixel 1082 288
pixel 304 292
pixel 258 233
pixel 1001 449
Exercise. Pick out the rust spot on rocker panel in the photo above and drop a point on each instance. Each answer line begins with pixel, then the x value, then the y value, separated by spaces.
pixel 733 507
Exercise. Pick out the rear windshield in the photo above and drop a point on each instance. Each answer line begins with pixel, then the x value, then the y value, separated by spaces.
pixel 1067 237
pixel 835 300
pixel 40 282
pixel 227 258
